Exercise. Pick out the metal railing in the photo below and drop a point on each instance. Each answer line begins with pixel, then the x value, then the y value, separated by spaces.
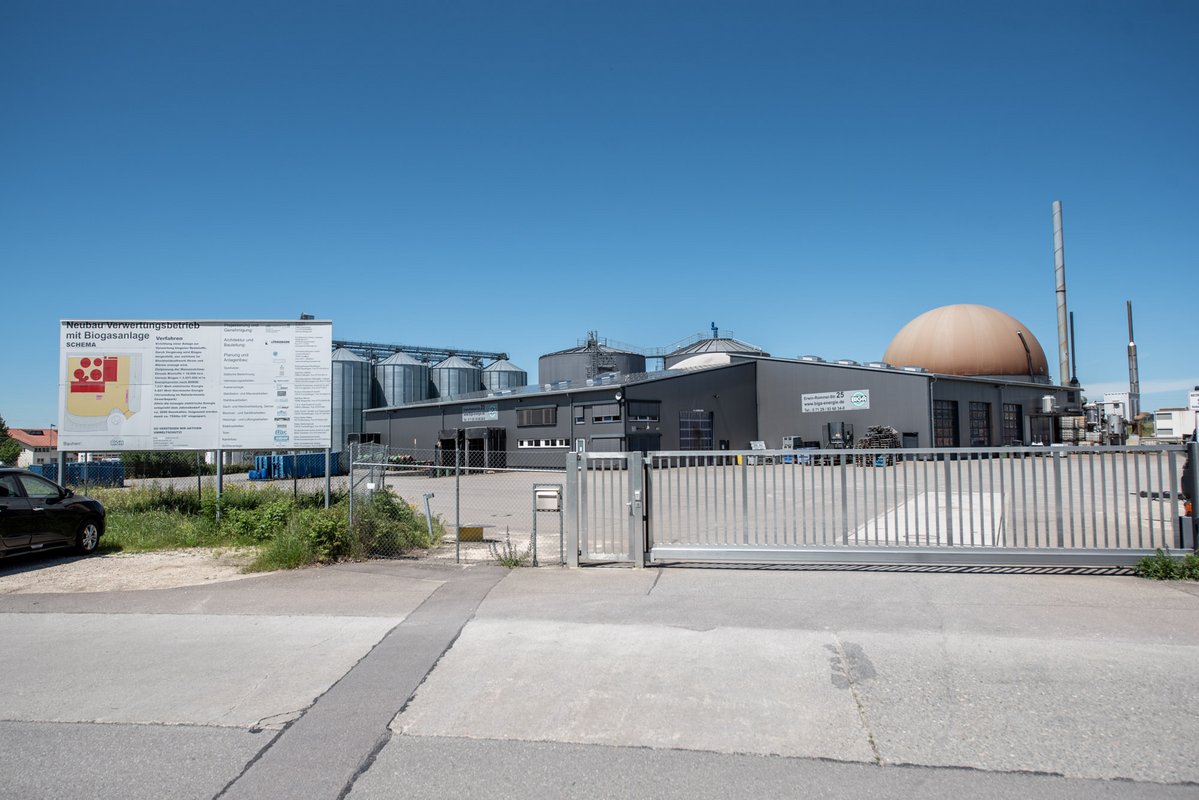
pixel 1019 505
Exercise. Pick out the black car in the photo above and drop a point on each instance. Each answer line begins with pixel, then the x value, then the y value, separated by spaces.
pixel 37 514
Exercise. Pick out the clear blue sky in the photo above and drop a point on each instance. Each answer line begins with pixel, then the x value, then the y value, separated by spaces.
pixel 507 175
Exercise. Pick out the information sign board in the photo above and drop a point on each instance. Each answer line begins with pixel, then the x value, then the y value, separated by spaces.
pixel 194 385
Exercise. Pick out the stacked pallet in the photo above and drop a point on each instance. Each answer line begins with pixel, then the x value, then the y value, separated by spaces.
pixel 1074 429
pixel 878 437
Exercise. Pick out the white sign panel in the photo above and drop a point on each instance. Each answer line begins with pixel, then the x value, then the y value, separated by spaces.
pixel 1194 400
pixel 481 413
pixel 191 385
pixel 848 400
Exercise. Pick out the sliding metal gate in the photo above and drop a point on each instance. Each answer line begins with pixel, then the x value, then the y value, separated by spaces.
pixel 1085 506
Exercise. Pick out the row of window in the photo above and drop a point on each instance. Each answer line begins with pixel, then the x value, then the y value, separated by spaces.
pixel 945 424
pixel 527 443
pixel 547 416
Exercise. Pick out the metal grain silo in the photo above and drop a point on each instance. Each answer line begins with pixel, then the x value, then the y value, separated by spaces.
pixel 401 379
pixel 503 374
pixel 351 394
pixel 455 377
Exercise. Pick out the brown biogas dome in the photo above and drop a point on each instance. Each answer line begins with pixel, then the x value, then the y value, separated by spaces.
pixel 968 340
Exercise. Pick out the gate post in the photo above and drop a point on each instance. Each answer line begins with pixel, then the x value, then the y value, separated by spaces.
pixel 1191 477
pixel 571 510
pixel 636 504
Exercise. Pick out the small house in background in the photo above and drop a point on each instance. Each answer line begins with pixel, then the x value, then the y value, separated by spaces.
pixel 38 445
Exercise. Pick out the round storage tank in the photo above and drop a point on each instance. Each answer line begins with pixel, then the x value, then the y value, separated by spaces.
pixel 455 377
pixel 503 374
pixel 402 379
pixel 721 344
pixel 580 363
pixel 351 395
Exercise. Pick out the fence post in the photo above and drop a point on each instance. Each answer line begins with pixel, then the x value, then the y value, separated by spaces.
pixel 199 478
pixel 571 510
pixel 636 495
pixel 351 512
pixel 1057 498
pixel 844 503
pixel 62 468
pixel 457 505
pixel 220 481
pixel 948 501
pixel 1193 489
pixel 328 477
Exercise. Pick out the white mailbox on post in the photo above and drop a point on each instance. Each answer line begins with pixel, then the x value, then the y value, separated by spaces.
pixel 549 499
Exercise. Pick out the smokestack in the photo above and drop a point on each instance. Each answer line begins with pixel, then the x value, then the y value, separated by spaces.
pixel 1073 354
pixel 1134 378
pixel 1059 269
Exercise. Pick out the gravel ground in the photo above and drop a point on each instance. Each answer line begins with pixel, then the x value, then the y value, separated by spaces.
pixel 164 569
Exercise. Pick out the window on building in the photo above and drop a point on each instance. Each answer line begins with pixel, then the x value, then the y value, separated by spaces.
pixel 695 430
pixel 980 424
pixel 609 412
pixel 536 417
pixel 542 443
pixel 643 410
pixel 580 415
pixel 1013 428
pixel 945 423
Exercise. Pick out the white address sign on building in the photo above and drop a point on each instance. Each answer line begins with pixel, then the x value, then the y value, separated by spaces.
pixel 847 400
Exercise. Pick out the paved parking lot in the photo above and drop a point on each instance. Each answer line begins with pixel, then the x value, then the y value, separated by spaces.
pixel 380 679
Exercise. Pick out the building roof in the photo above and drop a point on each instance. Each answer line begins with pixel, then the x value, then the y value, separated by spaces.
pixel 400 360
pixel 968 340
pixel 35 437
pixel 454 362
pixel 503 365
pixel 342 354
pixel 721 344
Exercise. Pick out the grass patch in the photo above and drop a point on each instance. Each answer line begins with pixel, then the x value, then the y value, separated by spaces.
pixel 1163 567
pixel 145 531
pixel 289 549
pixel 287 531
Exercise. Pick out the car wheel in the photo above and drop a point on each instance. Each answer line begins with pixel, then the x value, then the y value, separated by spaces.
pixel 88 537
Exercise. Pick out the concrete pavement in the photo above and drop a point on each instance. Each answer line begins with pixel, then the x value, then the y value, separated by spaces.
pixel 372 680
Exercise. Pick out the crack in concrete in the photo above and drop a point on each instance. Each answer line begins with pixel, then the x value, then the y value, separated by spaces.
pixel 850 667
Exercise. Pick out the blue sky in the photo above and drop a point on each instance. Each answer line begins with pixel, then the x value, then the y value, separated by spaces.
pixel 508 175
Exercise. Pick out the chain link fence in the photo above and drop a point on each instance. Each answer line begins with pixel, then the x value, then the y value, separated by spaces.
pixel 301 471
pixel 473 507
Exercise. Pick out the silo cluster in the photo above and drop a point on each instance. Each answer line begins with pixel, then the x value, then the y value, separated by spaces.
pixel 401 379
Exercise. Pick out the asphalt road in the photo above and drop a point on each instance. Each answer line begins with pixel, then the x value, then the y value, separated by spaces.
pixel 387 679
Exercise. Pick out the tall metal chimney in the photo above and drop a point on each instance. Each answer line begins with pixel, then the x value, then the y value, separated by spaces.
pixel 1059 268
pixel 1073 354
pixel 1134 378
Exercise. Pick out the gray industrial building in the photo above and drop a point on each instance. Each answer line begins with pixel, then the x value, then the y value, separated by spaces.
pixel 971 376
pixel 772 400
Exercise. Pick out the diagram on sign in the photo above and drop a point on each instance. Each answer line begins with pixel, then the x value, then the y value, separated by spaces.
pixel 103 391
